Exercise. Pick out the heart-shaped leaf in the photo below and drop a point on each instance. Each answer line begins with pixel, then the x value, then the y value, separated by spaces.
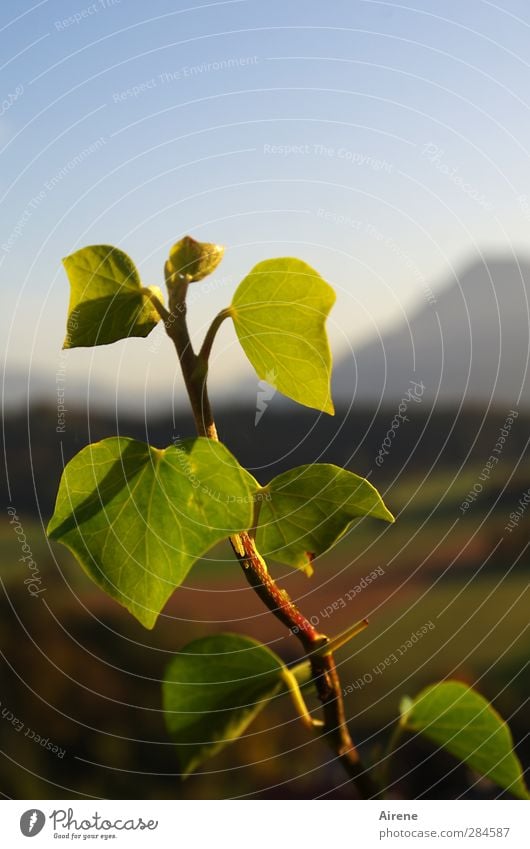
pixel 279 312
pixel 307 509
pixel 137 517
pixel 212 691
pixel 455 716
pixel 107 299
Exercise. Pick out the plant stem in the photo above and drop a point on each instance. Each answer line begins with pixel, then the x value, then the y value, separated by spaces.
pixel 324 672
pixel 204 353
pixel 194 378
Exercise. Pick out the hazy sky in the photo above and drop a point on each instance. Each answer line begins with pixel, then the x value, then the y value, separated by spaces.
pixel 383 143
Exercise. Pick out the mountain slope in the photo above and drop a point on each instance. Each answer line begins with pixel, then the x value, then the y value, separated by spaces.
pixel 471 345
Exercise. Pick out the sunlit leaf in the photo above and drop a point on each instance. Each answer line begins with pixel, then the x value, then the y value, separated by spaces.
pixel 307 509
pixel 279 312
pixel 107 299
pixel 137 517
pixel 459 719
pixel 212 691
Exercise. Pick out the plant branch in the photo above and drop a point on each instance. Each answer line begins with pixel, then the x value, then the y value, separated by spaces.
pixel 324 672
pixel 204 353
pixel 177 329
pixel 347 635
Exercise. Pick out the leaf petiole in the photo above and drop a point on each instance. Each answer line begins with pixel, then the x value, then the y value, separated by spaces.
pixel 347 635
pixel 298 700
pixel 204 353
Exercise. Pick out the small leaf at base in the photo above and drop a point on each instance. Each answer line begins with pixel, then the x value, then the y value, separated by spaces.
pixel 212 691
pixel 455 716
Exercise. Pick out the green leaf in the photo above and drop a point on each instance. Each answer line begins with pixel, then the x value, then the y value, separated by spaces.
pixel 279 312
pixel 455 716
pixel 212 691
pixel 137 517
pixel 307 509
pixel 107 299
pixel 194 260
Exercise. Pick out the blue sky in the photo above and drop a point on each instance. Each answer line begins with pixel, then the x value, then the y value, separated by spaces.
pixel 383 143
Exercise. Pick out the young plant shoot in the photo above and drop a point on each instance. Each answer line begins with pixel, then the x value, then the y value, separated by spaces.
pixel 137 517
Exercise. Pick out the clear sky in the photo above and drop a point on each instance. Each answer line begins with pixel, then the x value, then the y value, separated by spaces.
pixel 384 143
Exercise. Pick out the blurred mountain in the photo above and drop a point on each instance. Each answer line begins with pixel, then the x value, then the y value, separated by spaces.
pixel 36 447
pixel 469 344
pixel 40 385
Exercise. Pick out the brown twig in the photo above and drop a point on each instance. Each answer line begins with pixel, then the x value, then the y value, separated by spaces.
pixel 324 672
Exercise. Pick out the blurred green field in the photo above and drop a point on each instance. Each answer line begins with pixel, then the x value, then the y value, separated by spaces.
pixel 88 659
